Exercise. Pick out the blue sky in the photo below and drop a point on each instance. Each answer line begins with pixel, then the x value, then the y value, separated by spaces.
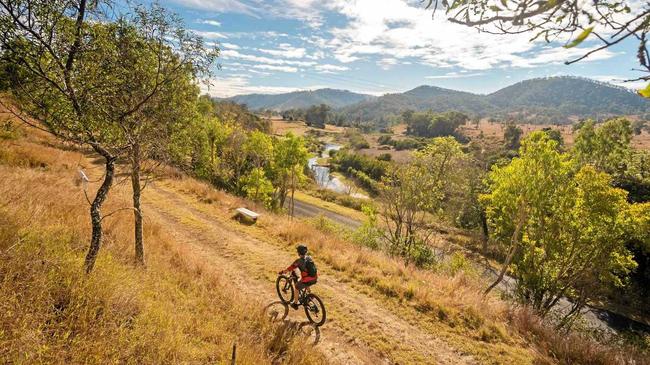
pixel 375 47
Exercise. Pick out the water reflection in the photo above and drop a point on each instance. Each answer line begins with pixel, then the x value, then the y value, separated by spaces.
pixel 323 177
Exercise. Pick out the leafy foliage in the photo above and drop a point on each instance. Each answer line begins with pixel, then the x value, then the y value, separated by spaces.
pixel 411 192
pixel 565 228
pixel 246 162
pixel 512 136
pixel 317 115
pixel 433 125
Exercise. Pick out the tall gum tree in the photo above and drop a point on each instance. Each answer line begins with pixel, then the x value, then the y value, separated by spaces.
pixel 156 65
pixel 52 47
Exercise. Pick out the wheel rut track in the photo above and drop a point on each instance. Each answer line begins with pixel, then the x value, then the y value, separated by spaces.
pixel 247 261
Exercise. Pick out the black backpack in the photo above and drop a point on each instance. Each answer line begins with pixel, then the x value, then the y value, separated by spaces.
pixel 311 266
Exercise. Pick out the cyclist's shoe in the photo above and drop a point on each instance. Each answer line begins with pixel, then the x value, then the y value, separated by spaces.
pixel 295 306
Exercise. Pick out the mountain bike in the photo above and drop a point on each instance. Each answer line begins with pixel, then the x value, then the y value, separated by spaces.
pixel 314 307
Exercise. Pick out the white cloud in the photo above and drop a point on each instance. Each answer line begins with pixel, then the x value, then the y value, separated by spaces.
pixel 229 86
pixel 307 11
pixel 286 50
pixel 400 30
pixel 209 35
pixel 211 22
pixel 327 68
pixel 229 45
pixel 454 75
pixel 221 6
pixel 387 63
pixel 276 68
pixel 230 53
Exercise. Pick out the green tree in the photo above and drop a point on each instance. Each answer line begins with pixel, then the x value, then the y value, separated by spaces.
pixel 53 46
pixel 607 147
pixel 410 193
pixel 258 187
pixel 289 160
pixel 434 125
pixel 563 232
pixel 155 63
pixel 317 115
pixel 512 136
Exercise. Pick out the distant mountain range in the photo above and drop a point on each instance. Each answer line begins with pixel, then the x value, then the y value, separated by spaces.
pixel 300 99
pixel 542 100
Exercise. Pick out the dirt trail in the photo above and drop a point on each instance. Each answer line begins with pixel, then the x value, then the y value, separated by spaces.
pixel 359 330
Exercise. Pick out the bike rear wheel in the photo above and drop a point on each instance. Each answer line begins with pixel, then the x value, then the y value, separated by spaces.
pixel 315 309
pixel 283 287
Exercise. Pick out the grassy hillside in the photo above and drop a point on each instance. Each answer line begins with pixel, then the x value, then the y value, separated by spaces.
pixel 207 278
pixel 177 310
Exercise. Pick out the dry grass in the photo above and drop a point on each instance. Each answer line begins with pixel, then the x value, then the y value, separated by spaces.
pixel 280 127
pixel 457 301
pixel 177 310
pixel 571 348
pixel 493 133
pixel 403 156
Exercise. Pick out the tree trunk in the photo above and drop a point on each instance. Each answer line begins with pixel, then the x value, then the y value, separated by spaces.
pixel 484 228
pixel 511 254
pixel 95 208
pixel 293 190
pixel 137 209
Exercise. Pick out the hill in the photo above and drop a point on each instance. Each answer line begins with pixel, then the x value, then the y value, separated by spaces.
pixel 570 95
pixel 543 100
pixel 421 98
pixel 300 99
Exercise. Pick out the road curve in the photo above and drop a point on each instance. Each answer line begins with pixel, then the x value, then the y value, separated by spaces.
pixel 306 210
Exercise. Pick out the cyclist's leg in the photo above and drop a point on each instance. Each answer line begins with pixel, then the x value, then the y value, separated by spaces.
pixel 299 287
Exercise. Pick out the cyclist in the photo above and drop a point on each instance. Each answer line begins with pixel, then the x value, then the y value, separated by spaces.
pixel 308 273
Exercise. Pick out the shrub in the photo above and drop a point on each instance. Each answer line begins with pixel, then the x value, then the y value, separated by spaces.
pixel 385 157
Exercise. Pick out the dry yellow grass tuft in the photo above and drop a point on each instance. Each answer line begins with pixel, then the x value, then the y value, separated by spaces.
pixel 177 310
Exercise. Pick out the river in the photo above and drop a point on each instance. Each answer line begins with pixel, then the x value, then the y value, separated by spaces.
pixel 323 177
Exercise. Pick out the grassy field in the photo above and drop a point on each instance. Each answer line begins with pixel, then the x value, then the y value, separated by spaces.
pixel 493 133
pixel 281 127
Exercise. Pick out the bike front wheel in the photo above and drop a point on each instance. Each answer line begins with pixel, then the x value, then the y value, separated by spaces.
pixel 283 287
pixel 315 309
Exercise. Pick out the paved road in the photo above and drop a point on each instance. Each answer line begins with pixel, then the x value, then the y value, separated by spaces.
pixel 306 210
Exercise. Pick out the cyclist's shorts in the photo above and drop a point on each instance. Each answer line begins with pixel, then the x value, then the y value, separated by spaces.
pixel 302 285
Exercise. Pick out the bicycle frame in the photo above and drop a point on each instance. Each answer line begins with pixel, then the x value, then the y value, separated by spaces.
pixel 302 293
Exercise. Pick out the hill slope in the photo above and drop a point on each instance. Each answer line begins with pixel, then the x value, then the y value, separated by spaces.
pixel 569 95
pixel 300 99
pixel 543 100
pixel 421 98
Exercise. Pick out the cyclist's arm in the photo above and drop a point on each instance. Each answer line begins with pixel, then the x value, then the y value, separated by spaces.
pixel 291 267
